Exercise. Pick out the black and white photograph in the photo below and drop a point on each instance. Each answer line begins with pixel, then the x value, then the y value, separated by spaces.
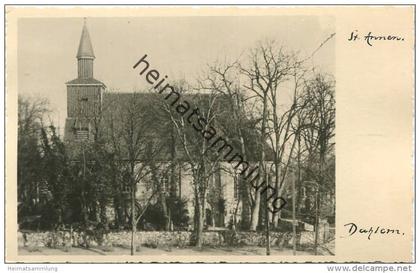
pixel 180 136
pixel 192 134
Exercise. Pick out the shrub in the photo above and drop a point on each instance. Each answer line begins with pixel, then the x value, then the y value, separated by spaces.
pixel 154 219
pixel 179 212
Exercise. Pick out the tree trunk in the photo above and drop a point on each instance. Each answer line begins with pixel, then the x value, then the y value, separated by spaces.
pixel 198 210
pixel 267 220
pixel 276 215
pixel 294 213
pixel 164 210
pixel 200 226
pixel 296 196
pixel 316 228
pixel 255 213
pixel 244 190
pixel 133 216
pixel 256 208
pixel 199 222
pixel 246 203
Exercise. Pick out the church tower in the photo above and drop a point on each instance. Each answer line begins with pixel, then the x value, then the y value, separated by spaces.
pixel 84 94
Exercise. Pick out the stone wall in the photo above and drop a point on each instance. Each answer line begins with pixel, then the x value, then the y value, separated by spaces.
pixel 160 239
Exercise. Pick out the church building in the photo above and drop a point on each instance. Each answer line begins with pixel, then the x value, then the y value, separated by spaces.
pixel 89 102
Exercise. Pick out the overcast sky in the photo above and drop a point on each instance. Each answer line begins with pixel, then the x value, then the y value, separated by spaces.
pixel 176 46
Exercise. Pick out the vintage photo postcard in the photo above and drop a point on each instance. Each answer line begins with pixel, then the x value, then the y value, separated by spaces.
pixel 209 134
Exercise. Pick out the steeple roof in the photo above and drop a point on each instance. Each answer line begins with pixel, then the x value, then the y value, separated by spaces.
pixel 85 46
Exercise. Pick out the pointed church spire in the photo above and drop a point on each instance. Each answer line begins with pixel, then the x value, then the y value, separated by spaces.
pixel 85 46
pixel 85 55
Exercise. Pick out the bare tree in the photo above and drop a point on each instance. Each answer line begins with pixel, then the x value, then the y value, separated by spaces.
pixel 196 147
pixel 223 79
pixel 318 133
pixel 31 113
pixel 289 79
pixel 130 125
pixel 269 66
